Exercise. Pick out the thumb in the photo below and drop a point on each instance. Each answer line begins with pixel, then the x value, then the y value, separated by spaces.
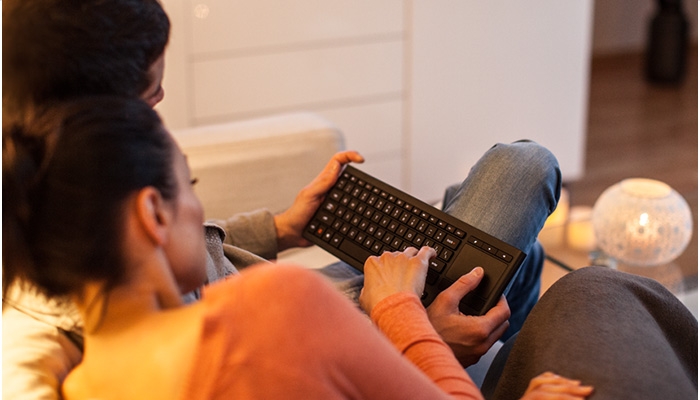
pixel 451 296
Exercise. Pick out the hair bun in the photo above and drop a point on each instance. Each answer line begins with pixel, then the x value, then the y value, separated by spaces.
pixel 25 155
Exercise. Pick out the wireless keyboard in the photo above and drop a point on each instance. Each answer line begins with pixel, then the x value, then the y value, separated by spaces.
pixel 362 216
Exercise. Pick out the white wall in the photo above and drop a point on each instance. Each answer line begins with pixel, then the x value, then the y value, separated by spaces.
pixel 421 88
pixel 238 59
pixel 496 71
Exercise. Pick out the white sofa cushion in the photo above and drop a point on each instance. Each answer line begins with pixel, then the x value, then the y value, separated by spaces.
pixel 259 163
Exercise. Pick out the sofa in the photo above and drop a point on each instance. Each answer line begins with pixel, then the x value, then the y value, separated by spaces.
pixel 260 163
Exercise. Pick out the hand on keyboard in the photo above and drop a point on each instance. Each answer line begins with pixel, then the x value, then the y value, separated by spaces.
pixel 362 216
pixel 468 336
pixel 290 224
pixel 395 272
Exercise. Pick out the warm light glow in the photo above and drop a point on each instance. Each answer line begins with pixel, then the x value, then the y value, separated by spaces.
pixel 553 231
pixel 201 11
pixel 644 219
pixel 642 222
pixel 579 231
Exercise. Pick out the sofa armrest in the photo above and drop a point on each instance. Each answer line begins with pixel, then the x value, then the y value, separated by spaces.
pixel 257 163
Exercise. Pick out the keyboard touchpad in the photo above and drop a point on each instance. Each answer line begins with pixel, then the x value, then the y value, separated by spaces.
pixel 469 258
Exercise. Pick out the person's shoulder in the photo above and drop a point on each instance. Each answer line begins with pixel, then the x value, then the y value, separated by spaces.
pixel 266 278
pixel 26 299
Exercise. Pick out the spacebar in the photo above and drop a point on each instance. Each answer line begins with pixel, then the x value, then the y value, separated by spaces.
pixel 358 253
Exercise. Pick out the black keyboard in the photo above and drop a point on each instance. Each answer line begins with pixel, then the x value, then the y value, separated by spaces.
pixel 362 216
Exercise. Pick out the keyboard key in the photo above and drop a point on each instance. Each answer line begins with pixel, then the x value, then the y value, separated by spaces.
pixel 330 206
pixel 436 265
pixel 401 230
pixel 489 248
pixel 393 225
pixel 388 238
pixel 446 255
pixel 432 277
pixel 354 251
pixel 325 218
pixel 410 235
pixel 379 234
pixel 476 242
pixel 504 256
pixel 320 230
pixel 313 225
pixel 379 205
pixel 439 236
pixel 327 235
pixel 418 241
pixel 335 241
pixel 451 242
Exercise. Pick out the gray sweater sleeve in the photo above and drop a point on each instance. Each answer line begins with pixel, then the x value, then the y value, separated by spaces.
pixel 253 232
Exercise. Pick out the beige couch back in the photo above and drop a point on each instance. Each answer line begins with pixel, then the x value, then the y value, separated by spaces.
pixel 246 165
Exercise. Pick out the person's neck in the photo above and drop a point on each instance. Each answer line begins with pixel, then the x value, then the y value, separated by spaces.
pixel 150 290
pixel 134 325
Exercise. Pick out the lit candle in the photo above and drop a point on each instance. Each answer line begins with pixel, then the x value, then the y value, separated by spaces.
pixel 553 232
pixel 579 230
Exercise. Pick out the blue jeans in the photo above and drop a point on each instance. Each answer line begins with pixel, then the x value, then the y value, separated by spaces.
pixel 509 193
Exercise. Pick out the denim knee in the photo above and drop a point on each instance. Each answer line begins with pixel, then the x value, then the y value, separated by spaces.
pixel 529 159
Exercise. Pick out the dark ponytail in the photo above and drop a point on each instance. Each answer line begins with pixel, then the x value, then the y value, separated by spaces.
pixel 66 174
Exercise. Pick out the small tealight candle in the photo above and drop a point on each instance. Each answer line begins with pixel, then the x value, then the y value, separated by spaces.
pixel 553 233
pixel 579 231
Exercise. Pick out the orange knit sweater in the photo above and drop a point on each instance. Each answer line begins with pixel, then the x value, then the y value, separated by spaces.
pixel 277 332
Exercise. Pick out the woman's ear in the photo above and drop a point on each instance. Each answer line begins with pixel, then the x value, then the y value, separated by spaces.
pixel 153 214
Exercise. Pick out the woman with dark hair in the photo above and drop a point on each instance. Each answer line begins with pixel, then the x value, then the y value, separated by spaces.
pixel 102 213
